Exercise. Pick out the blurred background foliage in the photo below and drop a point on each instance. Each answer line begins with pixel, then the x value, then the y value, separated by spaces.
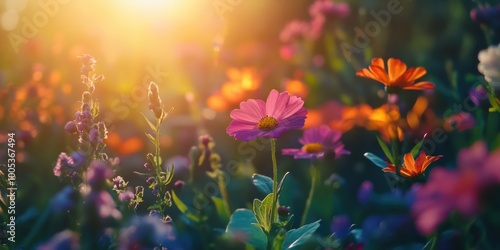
pixel 207 58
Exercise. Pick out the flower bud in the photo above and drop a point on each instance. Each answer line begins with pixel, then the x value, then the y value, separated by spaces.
pixel 70 127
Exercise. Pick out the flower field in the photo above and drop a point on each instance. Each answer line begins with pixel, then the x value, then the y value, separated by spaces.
pixel 249 124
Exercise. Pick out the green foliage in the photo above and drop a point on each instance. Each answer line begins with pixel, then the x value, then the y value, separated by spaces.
pixel 243 221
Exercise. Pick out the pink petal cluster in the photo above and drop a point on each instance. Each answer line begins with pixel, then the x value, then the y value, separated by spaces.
pixel 456 190
pixel 316 142
pixel 286 112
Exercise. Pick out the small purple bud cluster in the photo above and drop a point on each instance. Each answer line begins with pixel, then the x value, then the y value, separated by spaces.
pixel 70 166
pixel 119 183
pixel 154 100
pixel 88 64
pixel 489 16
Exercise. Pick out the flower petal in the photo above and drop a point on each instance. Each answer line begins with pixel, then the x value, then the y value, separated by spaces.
pixel 252 111
pixel 381 75
pixel 414 73
pixel 420 86
pixel 276 103
pixel 396 68
pixel 379 62
pixel 294 104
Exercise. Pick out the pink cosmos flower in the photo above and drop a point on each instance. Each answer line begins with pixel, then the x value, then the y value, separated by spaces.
pixel 256 118
pixel 316 142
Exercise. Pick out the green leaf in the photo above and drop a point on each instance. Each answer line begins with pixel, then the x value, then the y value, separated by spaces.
pixel 296 237
pixel 243 221
pixel 375 160
pixel 221 208
pixel 280 185
pixel 151 138
pixel 263 183
pixel 414 151
pixel 386 150
pixel 184 208
pixel 262 210
pixel 151 125
pixel 143 175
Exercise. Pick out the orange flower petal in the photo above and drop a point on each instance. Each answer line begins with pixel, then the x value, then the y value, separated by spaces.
pixel 380 74
pixel 378 62
pixel 414 73
pixel 409 162
pixel 396 68
pixel 420 86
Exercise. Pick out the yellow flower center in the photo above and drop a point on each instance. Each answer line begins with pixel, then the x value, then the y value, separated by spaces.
pixel 312 148
pixel 267 123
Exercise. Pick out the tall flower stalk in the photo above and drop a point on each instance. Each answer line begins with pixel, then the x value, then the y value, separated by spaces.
pixel 160 179
pixel 314 176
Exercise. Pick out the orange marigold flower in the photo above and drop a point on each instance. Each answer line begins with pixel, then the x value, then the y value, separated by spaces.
pixel 412 168
pixel 397 75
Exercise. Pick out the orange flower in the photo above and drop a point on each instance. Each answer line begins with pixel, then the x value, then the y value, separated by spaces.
pixel 412 168
pixel 396 76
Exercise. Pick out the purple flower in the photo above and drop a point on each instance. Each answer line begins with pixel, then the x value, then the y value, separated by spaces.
pixel 456 190
pixel 340 226
pixel 119 183
pixel 365 192
pixel 63 162
pixel 79 159
pixel 70 127
pixel 461 122
pixel 256 118
pixel 478 95
pixel 103 205
pixel 126 196
pixel 64 200
pixel 489 16
pixel 65 240
pixel 316 142
pixel 147 233
pixel 98 173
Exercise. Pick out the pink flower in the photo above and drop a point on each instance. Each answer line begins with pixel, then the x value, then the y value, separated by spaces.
pixel 256 118
pixel 329 9
pixel 316 142
pixel 294 30
pixel 458 190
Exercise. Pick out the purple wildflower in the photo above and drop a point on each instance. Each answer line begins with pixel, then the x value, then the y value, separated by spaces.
pixel 98 173
pixel 126 196
pixel 103 205
pixel 456 190
pixel 316 142
pixel 256 118
pixel 70 127
pixel 147 233
pixel 62 240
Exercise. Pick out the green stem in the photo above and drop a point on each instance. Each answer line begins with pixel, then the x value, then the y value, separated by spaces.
pixel 161 191
pixel 224 194
pixel 275 180
pixel 314 172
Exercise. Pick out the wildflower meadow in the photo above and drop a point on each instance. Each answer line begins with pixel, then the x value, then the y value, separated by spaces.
pixel 249 124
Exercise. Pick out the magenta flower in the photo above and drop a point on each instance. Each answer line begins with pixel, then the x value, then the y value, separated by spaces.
pixel 329 9
pixel 256 118
pixel 460 190
pixel 316 142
